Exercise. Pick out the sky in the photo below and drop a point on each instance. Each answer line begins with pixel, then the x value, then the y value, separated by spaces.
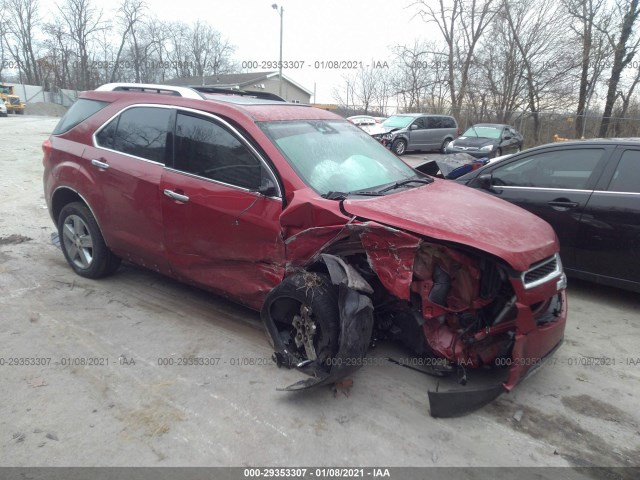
pixel 356 31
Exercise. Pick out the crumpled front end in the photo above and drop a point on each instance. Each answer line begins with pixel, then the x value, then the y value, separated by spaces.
pixel 478 313
pixel 444 301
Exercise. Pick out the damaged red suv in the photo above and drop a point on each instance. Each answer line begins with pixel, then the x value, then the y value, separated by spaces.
pixel 297 213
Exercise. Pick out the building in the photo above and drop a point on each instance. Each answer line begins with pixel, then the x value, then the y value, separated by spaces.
pixel 259 81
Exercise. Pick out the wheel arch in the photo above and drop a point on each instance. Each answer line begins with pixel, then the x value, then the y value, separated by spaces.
pixel 64 196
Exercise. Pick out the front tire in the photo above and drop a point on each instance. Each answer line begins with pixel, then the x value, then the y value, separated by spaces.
pixel 301 317
pixel 82 242
pixel 399 147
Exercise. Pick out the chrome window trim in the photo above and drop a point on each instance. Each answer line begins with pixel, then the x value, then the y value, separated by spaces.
pixel 616 192
pixel 243 140
pixel 541 188
pixel 201 113
pixel 94 139
pixel 218 182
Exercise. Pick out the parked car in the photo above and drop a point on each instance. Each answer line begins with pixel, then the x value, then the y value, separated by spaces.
pixel 589 191
pixel 3 109
pixel 367 123
pixel 487 140
pixel 417 131
pixel 298 214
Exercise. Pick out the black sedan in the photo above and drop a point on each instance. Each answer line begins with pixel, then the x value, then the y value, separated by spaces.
pixel 487 140
pixel 589 191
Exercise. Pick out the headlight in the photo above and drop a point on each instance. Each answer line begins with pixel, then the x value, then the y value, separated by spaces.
pixel 487 148
pixel 387 136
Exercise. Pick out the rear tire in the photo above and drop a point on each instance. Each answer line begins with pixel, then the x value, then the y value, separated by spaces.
pixel 445 144
pixel 82 243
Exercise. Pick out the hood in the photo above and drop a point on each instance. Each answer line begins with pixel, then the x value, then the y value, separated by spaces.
pixel 475 142
pixel 450 212
pixel 391 129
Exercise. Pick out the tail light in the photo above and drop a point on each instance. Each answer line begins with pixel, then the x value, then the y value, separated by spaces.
pixel 46 148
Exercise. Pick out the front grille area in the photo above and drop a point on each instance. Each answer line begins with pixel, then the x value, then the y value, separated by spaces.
pixel 542 272
pixel 14 101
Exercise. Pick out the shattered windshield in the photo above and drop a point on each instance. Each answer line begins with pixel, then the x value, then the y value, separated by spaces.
pixel 336 156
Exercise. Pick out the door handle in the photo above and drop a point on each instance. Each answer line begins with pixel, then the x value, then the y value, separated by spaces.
pixel 562 204
pixel 99 164
pixel 176 196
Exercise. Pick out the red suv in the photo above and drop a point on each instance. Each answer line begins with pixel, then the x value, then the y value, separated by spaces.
pixel 301 215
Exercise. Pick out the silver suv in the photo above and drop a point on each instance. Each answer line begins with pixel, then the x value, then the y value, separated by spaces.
pixel 418 131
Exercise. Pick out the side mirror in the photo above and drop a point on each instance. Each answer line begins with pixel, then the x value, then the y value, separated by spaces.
pixel 485 181
pixel 507 137
pixel 267 187
pixel 413 127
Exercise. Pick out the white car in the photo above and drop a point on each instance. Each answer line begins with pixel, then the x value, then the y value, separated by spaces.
pixel 367 123
pixel 3 109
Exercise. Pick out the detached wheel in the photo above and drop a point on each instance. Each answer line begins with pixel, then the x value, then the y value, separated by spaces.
pixel 82 242
pixel 399 146
pixel 301 316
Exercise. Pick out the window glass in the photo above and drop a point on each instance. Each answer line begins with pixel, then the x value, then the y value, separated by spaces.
pixel 104 138
pixel 206 149
pixel 79 112
pixel 421 123
pixel 448 122
pixel 432 122
pixel 142 131
pixel 627 175
pixel 335 156
pixel 551 169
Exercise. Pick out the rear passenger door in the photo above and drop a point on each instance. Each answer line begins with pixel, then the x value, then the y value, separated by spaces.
pixel 609 236
pixel 555 184
pixel 125 167
pixel 219 231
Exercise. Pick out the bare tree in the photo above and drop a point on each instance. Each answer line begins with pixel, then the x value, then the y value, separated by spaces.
pixel 129 15
pixel 411 76
pixel 624 51
pixel 499 78
pixel 82 20
pixel 546 63
pixel 22 23
pixel 345 94
pixel 462 24
pixel 588 20
pixel 57 72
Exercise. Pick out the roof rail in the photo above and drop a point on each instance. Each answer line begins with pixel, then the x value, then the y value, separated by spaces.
pixel 185 92
pixel 236 91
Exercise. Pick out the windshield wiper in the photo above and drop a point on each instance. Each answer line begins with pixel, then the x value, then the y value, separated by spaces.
pixel 343 195
pixel 424 181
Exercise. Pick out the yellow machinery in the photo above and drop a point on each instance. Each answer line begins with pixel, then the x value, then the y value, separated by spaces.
pixel 11 100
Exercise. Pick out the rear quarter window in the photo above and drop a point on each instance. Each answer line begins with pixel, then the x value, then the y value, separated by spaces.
pixel 78 113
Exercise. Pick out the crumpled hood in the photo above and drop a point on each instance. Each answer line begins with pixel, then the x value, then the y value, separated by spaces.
pixel 447 211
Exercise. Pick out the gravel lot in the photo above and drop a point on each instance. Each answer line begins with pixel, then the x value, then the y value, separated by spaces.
pixel 130 411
